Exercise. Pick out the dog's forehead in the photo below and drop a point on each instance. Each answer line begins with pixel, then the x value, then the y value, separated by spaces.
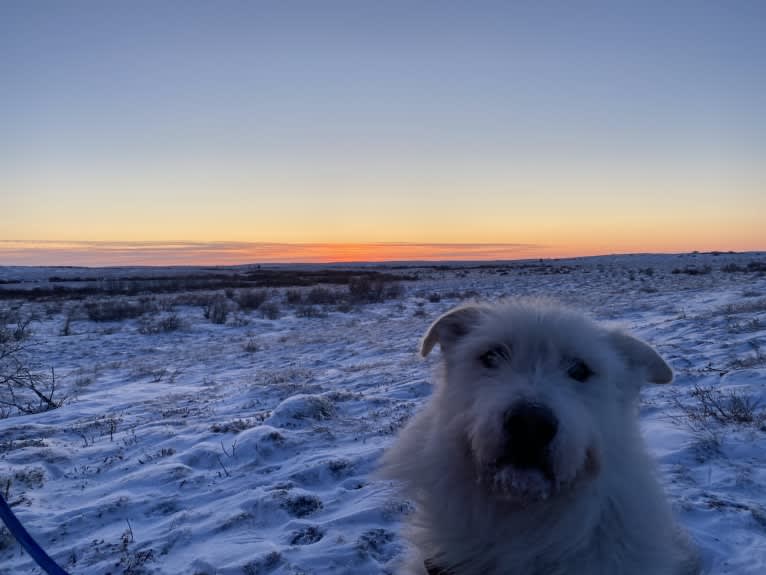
pixel 539 329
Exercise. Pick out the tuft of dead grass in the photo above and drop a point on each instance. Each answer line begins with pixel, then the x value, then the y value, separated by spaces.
pixel 712 408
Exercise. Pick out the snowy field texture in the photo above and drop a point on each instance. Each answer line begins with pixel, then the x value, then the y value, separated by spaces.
pixel 226 429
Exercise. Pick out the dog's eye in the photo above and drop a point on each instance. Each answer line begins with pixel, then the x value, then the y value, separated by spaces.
pixel 491 358
pixel 579 370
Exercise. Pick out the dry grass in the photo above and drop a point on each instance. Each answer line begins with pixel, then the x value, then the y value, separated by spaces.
pixel 712 408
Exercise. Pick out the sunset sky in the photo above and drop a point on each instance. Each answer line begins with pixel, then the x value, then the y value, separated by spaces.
pixel 224 132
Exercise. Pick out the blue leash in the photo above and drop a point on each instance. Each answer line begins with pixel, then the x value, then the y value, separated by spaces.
pixel 22 536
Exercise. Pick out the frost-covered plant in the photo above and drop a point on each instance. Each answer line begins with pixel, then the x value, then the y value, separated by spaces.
pixel 6 539
pixel 251 299
pixel 23 389
pixel 309 311
pixel 365 290
pixel 293 296
pixel 270 310
pixel 132 560
pixel 251 345
pixel 322 295
pixel 216 309
pixel 161 325
pixel 66 329
pixel 14 326
pixel 117 309
pixel 712 407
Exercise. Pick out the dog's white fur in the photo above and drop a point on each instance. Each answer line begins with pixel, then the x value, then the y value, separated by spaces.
pixel 599 509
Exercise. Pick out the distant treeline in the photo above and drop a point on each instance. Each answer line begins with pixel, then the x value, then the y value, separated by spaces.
pixel 134 285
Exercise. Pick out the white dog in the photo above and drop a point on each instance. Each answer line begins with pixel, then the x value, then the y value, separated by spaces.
pixel 527 460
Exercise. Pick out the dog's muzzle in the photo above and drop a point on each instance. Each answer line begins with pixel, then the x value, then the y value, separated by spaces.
pixel 530 429
pixel 523 471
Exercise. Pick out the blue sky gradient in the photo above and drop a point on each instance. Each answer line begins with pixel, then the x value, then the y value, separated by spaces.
pixel 590 126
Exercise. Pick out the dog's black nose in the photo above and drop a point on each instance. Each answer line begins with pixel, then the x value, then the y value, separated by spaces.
pixel 531 428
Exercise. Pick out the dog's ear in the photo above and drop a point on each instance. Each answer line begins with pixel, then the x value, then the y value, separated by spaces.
pixel 450 327
pixel 641 354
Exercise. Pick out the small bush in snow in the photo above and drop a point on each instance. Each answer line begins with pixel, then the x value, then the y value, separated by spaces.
pixel 83 381
pixel 306 535
pixel 162 325
pixel 750 306
pixel 309 311
pixel 66 329
pixel 293 296
pixel 251 345
pixel 712 406
pixel 753 266
pixel 170 323
pixel 28 477
pixel 302 504
pixel 321 295
pixel 376 542
pixel 116 309
pixel 132 561
pixel 24 390
pixel 7 540
pixel 345 307
pixel 234 426
pixel 461 295
pixel 693 270
pixel 270 310
pixel 240 320
pixel 191 298
pixel 300 406
pixel 22 330
pixel 251 299
pixel 14 326
pixel 366 290
pixel 394 291
pixel 216 309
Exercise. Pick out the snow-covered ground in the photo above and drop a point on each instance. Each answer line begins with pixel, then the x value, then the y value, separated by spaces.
pixel 248 447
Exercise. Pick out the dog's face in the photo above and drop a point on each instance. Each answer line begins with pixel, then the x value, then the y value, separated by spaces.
pixel 531 390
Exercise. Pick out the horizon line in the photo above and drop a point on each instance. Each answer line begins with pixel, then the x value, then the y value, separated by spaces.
pixel 110 253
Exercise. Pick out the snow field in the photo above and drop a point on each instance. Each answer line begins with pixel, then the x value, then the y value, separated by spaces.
pixel 249 447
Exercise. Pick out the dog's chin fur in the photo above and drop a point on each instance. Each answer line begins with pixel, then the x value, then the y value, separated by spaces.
pixel 518 487
pixel 522 488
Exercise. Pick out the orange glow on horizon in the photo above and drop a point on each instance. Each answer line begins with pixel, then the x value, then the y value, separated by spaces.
pixel 99 254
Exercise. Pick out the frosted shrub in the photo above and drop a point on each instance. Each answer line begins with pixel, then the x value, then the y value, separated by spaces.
pixel 24 389
pixel 251 299
pixel 270 310
pixel 216 310
pixel 321 295
pixel 116 309
pixel 294 297
pixel 366 290
pixel 162 325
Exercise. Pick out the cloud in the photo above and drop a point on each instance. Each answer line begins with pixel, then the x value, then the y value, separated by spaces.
pixel 49 253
